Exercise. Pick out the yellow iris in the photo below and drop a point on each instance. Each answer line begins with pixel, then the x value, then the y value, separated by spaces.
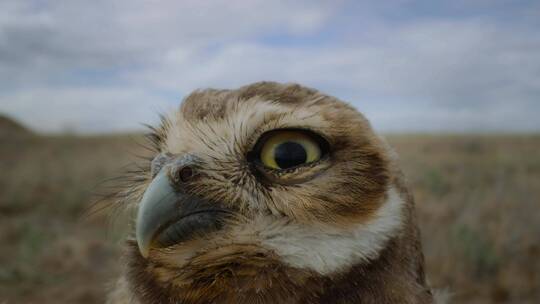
pixel 286 149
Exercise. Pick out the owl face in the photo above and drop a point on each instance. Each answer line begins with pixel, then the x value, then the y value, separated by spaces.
pixel 265 174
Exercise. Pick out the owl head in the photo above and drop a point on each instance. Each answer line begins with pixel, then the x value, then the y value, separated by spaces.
pixel 255 192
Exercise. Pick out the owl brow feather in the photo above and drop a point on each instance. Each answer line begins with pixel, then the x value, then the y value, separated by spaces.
pixel 156 135
pixel 236 141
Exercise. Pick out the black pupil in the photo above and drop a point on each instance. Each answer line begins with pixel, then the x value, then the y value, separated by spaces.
pixel 290 154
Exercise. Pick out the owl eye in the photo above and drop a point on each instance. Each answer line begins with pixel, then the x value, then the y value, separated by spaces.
pixel 284 149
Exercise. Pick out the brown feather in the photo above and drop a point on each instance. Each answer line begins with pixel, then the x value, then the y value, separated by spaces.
pixel 345 190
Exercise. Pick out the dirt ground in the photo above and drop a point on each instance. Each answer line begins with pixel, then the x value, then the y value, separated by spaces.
pixel 478 201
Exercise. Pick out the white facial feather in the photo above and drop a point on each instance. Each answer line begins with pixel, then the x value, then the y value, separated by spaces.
pixel 325 249
pixel 234 130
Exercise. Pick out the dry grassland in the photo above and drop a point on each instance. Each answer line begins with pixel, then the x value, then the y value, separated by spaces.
pixel 478 200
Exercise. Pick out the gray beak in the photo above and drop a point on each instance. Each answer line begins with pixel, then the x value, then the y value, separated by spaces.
pixel 168 216
pixel 157 207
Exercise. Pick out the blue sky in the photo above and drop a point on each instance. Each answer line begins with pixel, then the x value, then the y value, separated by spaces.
pixel 409 66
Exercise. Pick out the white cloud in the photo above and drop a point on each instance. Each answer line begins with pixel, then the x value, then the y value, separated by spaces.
pixel 83 109
pixel 453 73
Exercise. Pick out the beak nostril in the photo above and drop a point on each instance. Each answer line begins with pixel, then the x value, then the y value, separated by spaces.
pixel 182 170
pixel 185 174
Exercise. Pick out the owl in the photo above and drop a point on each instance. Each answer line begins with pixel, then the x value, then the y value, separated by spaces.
pixel 271 193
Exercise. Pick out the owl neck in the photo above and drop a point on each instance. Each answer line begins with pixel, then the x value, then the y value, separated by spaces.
pixel 396 276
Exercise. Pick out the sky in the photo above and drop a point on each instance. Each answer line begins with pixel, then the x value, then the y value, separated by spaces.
pixel 409 66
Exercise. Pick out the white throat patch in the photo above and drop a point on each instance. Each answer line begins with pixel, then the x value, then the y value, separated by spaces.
pixel 328 250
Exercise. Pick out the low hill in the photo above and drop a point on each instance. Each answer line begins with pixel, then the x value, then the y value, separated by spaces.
pixel 9 127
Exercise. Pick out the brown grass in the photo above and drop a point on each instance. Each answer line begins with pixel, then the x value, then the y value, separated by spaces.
pixel 478 202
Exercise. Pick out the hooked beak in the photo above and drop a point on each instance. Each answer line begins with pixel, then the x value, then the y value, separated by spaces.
pixel 167 216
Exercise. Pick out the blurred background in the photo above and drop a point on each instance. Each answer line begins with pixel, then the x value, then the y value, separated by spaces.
pixel 455 87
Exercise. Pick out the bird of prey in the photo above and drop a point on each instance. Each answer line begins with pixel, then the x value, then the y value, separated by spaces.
pixel 271 193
